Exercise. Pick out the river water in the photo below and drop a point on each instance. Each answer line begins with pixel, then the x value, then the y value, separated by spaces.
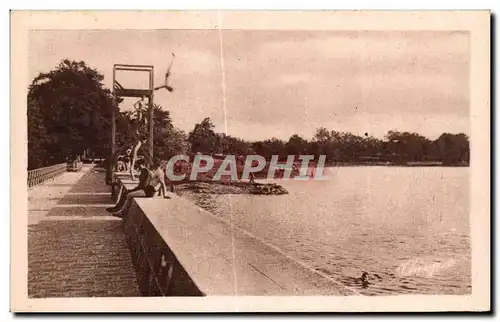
pixel 408 228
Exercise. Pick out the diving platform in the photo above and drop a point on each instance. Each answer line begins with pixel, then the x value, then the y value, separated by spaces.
pixel 127 92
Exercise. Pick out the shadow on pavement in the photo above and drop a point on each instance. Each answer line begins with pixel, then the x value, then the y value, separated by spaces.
pixel 87 191
pixel 78 257
pixel 57 184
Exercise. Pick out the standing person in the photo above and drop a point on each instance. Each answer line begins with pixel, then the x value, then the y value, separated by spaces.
pixel 155 183
pixel 140 107
pixel 127 159
pixel 119 163
pixel 142 140
pixel 252 178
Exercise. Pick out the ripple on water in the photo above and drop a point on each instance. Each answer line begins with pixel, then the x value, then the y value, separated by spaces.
pixel 342 234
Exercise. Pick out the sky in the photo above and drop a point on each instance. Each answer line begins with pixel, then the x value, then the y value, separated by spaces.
pixel 258 84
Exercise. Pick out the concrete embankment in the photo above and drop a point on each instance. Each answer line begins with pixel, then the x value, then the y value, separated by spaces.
pixel 180 249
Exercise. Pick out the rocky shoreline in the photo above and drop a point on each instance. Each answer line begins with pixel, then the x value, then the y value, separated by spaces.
pixel 221 187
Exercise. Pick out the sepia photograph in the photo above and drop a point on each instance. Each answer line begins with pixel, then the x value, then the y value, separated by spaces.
pixel 309 158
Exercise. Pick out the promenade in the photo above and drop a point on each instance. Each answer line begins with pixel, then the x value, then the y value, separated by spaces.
pixel 75 249
pixel 165 247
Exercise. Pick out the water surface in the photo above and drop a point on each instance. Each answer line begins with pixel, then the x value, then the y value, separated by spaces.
pixel 407 227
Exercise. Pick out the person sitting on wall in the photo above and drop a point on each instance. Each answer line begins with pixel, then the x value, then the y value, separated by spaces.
pixel 166 178
pixel 144 178
pixel 152 182
pixel 119 164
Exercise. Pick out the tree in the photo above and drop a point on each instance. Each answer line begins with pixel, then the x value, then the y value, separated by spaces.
pixel 69 109
pixel 168 141
pixel 349 146
pixel 271 147
pixel 37 137
pixel 326 143
pixel 203 138
pixel 405 146
pixel 322 135
pixel 453 148
pixel 227 144
pixel 297 145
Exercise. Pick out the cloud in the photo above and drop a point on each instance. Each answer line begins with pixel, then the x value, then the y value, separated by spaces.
pixel 286 81
pixel 197 62
pixel 302 79
pixel 372 46
pixel 349 52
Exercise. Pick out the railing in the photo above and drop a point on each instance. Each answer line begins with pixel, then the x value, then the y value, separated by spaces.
pixel 41 175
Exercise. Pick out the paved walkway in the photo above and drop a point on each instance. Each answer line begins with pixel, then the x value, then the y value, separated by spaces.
pixel 74 248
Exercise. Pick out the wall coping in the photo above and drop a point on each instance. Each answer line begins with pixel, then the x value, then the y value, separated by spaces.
pixel 222 259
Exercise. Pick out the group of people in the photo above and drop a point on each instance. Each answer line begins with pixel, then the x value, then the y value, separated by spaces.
pixel 132 157
pixel 123 161
pixel 151 183
pixel 151 180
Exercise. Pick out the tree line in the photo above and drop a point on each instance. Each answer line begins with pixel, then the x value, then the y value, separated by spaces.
pixel 339 147
pixel 69 111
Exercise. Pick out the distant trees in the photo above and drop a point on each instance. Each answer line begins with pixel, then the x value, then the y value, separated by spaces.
pixel 453 148
pixel 297 146
pixel 227 144
pixel 270 147
pixel 408 147
pixel 448 148
pixel 168 140
pixel 339 147
pixel 203 138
